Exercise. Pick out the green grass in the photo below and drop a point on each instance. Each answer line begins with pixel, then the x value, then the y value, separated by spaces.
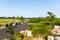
pixel 4 21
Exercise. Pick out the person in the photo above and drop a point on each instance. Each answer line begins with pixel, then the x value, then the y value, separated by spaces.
pixel 6 25
pixel 13 24
pixel 16 23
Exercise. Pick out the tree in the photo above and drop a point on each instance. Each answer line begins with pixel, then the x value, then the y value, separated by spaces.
pixel 51 16
pixel 20 18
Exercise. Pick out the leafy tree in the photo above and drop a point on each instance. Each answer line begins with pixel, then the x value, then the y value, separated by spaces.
pixel 52 17
pixel 20 18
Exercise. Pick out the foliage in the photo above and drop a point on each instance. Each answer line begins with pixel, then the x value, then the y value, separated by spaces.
pixel 51 16
pixel 40 29
pixel 43 25
pixel 20 18
pixel 38 25
pixel 17 35
pixel 34 20
pixel 3 22
pixel 10 31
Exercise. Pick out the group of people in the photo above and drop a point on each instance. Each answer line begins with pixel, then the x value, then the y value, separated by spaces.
pixel 13 24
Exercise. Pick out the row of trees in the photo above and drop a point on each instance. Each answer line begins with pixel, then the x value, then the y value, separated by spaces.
pixel 52 19
pixel 18 17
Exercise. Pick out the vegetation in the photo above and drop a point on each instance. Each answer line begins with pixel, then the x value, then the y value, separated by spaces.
pixel 10 31
pixel 13 35
pixel 35 20
pixel 42 25
pixel 7 20
pixel 20 18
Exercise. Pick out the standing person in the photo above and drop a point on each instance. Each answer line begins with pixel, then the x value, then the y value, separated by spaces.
pixel 16 23
pixel 6 25
pixel 13 25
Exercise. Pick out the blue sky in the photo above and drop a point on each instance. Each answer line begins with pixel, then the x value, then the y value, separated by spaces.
pixel 29 8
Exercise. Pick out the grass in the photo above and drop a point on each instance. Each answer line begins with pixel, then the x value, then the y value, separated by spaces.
pixel 28 38
pixel 4 21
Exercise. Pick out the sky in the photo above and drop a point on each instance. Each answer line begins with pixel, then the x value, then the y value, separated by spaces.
pixel 29 8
